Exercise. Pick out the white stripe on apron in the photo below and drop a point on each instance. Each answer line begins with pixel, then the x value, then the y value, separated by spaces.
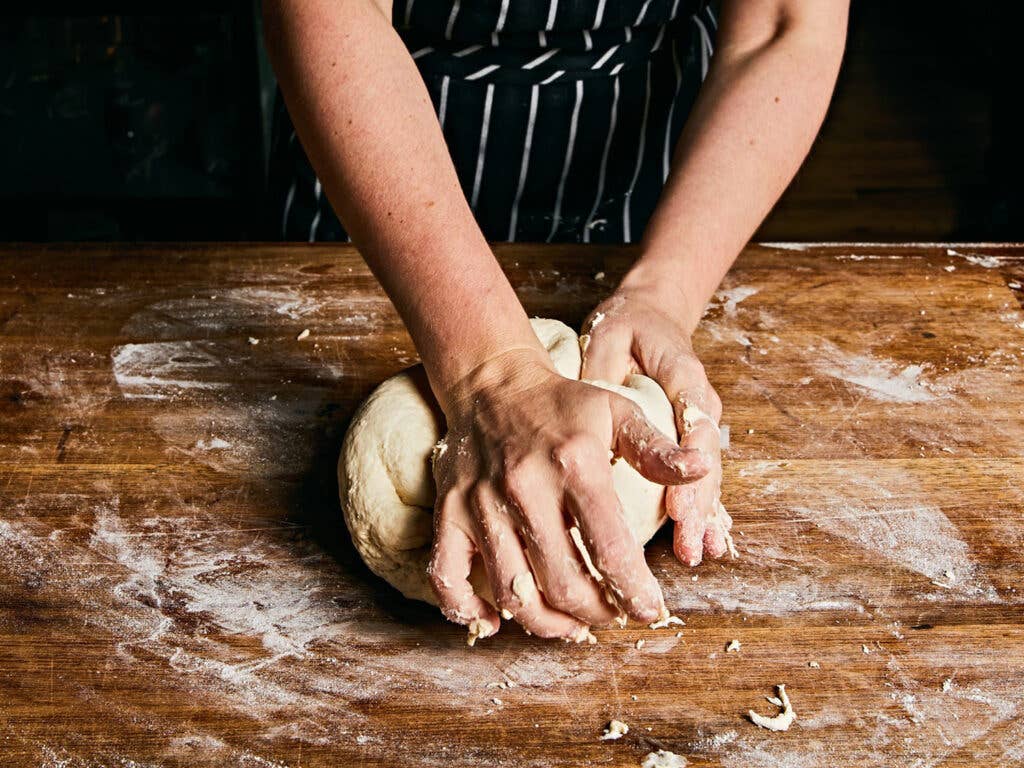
pixel 556 218
pixel 317 191
pixel 484 128
pixel 626 233
pixel 667 155
pixel 604 161
pixel 524 166
pixel 451 20
pixel 442 108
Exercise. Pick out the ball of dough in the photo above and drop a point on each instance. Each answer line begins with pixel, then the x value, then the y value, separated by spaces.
pixel 387 486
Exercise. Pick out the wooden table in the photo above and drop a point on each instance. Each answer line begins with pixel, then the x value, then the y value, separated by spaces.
pixel 176 587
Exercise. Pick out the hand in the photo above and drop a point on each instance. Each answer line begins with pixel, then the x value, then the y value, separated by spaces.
pixel 525 460
pixel 634 332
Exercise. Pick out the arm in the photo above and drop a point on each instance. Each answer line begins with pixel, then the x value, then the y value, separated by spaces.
pixel 758 111
pixel 529 448
pixel 760 108
pixel 366 121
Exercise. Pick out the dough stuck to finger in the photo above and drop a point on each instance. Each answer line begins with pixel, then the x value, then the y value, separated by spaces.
pixel 386 484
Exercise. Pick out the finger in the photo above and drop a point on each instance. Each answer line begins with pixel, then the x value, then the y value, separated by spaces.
pixel 606 356
pixel 702 530
pixel 686 384
pixel 450 563
pixel 568 584
pixel 649 451
pixel 717 539
pixel 615 552
pixel 512 580
pixel 695 403
pixel 688 537
pixel 568 580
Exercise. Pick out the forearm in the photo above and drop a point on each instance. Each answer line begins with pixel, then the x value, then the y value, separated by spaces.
pixel 366 121
pixel 760 107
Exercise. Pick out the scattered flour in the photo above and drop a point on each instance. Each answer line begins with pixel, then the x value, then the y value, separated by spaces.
pixel 730 298
pixel 988 262
pixel 165 369
pixel 882 380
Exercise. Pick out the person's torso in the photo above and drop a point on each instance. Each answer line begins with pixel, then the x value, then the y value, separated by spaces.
pixel 529 41
pixel 560 116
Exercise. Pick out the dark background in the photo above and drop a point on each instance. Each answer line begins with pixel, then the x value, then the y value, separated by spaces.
pixel 127 122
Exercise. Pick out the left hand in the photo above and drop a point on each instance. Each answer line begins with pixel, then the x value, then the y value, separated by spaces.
pixel 633 331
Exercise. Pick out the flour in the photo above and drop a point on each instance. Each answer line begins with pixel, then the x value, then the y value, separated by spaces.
pixel 730 298
pixel 880 379
pixel 258 620
pixel 213 444
pixel 880 512
pixel 788 246
pixel 870 512
pixel 165 369
pixel 988 262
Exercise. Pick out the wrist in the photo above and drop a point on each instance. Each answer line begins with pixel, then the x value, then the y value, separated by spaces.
pixel 665 284
pixel 512 369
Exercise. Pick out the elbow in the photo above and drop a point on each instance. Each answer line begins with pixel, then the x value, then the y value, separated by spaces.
pixel 813 29
pixel 818 28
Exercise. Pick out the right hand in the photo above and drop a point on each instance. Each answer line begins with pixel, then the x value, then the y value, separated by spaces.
pixel 526 458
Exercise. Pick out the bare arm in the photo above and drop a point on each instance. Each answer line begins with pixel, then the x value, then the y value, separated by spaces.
pixel 529 448
pixel 759 109
pixel 365 119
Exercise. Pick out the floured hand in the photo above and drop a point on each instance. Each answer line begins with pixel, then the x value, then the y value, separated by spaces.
pixel 630 332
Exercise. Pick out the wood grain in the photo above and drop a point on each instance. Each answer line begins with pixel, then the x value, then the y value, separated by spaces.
pixel 176 588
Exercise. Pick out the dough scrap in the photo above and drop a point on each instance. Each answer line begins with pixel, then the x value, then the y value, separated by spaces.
pixel 386 484
pixel 667 620
pixel 781 721
pixel 615 729
pixel 663 759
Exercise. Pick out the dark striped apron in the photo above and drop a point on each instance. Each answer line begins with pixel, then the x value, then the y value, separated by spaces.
pixel 560 115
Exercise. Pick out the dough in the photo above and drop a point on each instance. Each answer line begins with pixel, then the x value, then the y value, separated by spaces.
pixel 781 721
pixel 615 729
pixel 663 759
pixel 387 486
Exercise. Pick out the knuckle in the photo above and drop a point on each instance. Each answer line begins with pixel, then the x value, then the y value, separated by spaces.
pixel 519 478
pixel 629 409
pixel 634 423
pixel 691 369
pixel 574 452
pixel 560 592
pixel 571 602
pixel 515 483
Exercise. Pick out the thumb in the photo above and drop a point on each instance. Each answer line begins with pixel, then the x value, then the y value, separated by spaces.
pixel 649 451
